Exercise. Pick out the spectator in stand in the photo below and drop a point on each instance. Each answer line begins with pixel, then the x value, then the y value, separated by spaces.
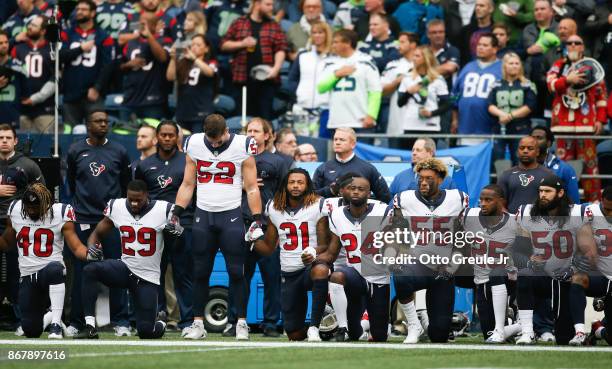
pixel 16 24
pixel 259 47
pixel 196 75
pixel 220 14
pixel 146 142
pixel 306 153
pixel 300 32
pixel 423 96
pixel 448 56
pixel 144 65
pixel 379 44
pixel 471 92
pixel 46 7
pixel 325 176
pixel 86 55
pixel 578 113
pixel 423 148
pixel 194 24
pixel 579 10
pixel 516 14
pixel 131 29
pixel 112 15
pixel 457 15
pixel 511 101
pixel 11 84
pixel 37 105
pixel 598 33
pixel 548 158
pixel 371 7
pixel 306 73
pixel 392 76
pixel 413 16
pixel 285 144
pixel 502 34
pixel 482 23
pixel 354 83
pixel 348 13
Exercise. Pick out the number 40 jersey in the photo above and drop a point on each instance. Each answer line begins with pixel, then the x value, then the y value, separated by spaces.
pixel 142 239
pixel 39 243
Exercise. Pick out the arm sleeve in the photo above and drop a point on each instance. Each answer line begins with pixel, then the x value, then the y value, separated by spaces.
pixel 444 105
pixel 47 90
pixel 327 83
pixel 374 99
pixel 402 98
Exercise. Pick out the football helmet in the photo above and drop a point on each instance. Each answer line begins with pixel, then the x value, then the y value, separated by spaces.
pixel 592 70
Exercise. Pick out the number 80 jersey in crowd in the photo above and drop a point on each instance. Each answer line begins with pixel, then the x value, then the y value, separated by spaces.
pixel 297 230
pixel 142 239
pixel 219 170
pixel 39 243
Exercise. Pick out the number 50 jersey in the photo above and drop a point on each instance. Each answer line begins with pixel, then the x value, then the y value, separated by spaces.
pixel 142 239
pixel 39 243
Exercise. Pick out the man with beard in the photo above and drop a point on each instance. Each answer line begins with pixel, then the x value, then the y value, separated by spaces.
pixel 296 224
pixel 495 232
pixel 257 41
pixel 520 183
pixel 16 24
pixel 86 54
pixel 11 84
pixel 577 112
pixel 430 211
pixel 594 283
pixel 35 57
pixel 163 173
pixel 552 224
pixel 360 283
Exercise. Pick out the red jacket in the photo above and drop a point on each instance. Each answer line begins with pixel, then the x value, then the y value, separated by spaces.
pixel 574 112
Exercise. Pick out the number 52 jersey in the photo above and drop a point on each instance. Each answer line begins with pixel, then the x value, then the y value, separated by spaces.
pixel 142 239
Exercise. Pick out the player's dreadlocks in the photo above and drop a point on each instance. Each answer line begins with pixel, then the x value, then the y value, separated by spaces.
pixel 432 164
pixel 37 195
pixel 280 197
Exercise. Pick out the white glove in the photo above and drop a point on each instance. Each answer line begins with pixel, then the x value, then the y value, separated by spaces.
pixel 254 232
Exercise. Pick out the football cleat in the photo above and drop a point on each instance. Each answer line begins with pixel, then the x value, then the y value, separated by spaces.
pixel 546 337
pixel 55 331
pixel 229 331
pixel 414 333
pixel 592 337
pixel 270 332
pixel 89 332
pixel 526 339
pixel 313 334
pixel 195 331
pixel 341 335
pixel 578 339
pixel 19 331
pixel 496 337
pixel 242 331
pixel 71 331
pixel 121 331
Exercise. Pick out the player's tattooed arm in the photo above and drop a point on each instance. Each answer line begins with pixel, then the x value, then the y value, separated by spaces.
pixel 72 239
pixel 331 250
pixel 267 245
pixel 8 238
pixel 249 177
pixel 586 243
pixel 185 192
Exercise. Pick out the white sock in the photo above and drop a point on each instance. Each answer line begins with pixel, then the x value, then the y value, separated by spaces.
pixel 526 320
pixel 411 314
pixel 90 320
pixel 500 299
pixel 512 330
pixel 241 320
pixel 198 322
pixel 339 302
pixel 56 295
pixel 598 332
pixel 579 327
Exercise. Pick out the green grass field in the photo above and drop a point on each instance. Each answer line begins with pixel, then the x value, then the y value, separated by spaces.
pixel 216 352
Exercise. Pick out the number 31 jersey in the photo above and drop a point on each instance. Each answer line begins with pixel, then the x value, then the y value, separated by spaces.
pixel 142 239
pixel 297 230
pixel 39 243
pixel 219 170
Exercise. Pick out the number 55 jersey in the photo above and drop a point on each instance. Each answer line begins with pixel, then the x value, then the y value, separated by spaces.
pixel 142 239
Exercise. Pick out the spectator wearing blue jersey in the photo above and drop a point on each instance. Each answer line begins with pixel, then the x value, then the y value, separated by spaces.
pixel 11 84
pixel 196 76
pixel 371 7
pixel 424 148
pixel 17 23
pixel 551 161
pixel 380 44
pixel 471 92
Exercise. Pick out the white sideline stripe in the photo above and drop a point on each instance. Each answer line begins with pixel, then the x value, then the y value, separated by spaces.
pixel 159 352
pixel 383 346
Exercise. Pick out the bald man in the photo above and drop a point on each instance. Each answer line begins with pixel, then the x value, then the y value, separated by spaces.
pixel 306 153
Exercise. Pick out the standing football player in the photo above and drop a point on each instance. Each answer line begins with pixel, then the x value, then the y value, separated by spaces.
pixel 141 223
pixel 552 224
pixel 432 213
pixel 219 164
pixel 294 222
pixel 31 220
pixel 360 285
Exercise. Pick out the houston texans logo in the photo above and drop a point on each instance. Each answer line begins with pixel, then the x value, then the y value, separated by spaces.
pixel 164 181
pixel 525 179
pixel 96 169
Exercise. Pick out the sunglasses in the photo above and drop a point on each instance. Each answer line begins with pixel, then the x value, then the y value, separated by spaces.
pixel 574 43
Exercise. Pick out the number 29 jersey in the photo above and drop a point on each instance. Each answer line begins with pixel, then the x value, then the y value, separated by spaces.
pixel 142 239
pixel 39 243
pixel 219 170
pixel 297 230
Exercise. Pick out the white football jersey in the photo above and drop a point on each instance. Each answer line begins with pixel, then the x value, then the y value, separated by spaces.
pixel 142 238
pixel 348 102
pixel 431 222
pixel 219 170
pixel 602 232
pixel 297 229
pixel 557 245
pixel 348 230
pixel 394 69
pixel 39 243
pixel 496 241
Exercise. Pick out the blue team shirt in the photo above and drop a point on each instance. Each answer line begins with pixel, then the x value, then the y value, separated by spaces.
pixel 39 67
pixel 407 180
